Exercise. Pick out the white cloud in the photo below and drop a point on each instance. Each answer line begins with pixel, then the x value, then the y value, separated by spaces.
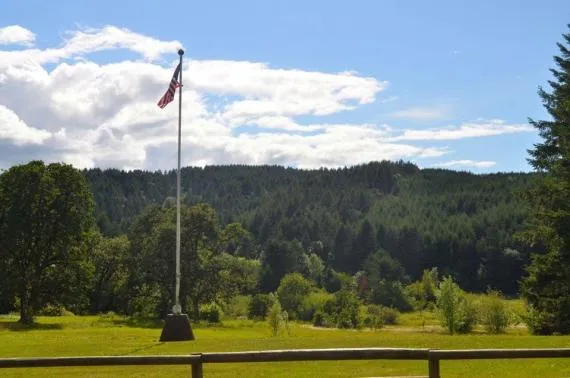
pixel 466 130
pixel 81 42
pixel 467 163
pixel 16 35
pixel 12 128
pixel 105 115
pixel 266 91
pixel 422 113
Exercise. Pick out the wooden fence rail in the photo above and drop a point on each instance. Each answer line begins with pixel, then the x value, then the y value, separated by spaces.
pixel 198 359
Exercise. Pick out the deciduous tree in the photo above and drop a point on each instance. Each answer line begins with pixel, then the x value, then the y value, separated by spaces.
pixel 45 213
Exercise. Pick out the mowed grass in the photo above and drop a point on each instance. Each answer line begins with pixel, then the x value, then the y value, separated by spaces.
pixel 92 335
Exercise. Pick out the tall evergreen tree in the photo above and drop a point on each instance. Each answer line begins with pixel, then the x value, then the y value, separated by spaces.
pixel 547 286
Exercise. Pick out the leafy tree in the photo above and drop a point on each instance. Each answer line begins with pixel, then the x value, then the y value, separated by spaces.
pixel 424 292
pixel 275 318
pixel 109 259
pixel 279 259
pixel 152 256
pixel 293 289
pixel 45 214
pixel 344 309
pixel 457 312
pixel 259 306
pixel 315 267
pixel 547 286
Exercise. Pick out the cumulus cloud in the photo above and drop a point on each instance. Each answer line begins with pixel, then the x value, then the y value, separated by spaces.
pixel 466 164
pixel 13 129
pixel 91 114
pixel 16 35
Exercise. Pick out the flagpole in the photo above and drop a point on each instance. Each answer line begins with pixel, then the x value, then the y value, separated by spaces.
pixel 177 308
pixel 177 325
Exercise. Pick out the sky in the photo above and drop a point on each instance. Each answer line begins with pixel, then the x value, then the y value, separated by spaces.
pixel 307 84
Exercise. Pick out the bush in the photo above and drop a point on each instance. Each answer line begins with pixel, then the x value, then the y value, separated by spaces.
pixel 259 306
pixel 211 313
pixel 468 315
pixel 458 313
pixel 146 302
pixel 495 315
pixel 539 322
pixel 377 316
pixel 373 317
pixel 389 315
pixel 313 303
pixel 391 294
pixel 237 307
pixel 320 319
pixel 54 310
pixel 335 281
pixel 343 309
pixel 293 289
pixel 275 318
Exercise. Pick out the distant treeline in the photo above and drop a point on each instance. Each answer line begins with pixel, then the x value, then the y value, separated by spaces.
pixel 461 223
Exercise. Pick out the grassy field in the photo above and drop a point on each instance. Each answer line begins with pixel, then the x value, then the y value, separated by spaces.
pixel 80 336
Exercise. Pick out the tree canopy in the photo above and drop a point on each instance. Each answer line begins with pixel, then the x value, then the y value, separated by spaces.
pixel 45 212
pixel 547 286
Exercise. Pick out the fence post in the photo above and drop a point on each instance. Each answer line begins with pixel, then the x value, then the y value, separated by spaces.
pixel 197 370
pixel 433 365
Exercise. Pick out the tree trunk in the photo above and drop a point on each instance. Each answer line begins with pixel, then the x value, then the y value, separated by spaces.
pixel 26 311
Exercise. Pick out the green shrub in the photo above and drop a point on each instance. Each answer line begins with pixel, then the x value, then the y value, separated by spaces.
pixel 293 289
pixel 457 311
pixel 373 317
pixel 389 315
pixel 259 306
pixel 237 307
pixel 391 294
pixel 146 302
pixel 211 313
pixel 468 315
pixel 320 319
pixel 275 318
pixel 54 310
pixel 344 309
pixel 495 314
pixel 313 303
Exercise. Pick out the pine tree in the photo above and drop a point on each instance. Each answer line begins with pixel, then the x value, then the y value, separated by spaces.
pixel 547 286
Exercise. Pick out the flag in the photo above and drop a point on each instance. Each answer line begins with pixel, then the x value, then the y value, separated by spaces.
pixel 169 95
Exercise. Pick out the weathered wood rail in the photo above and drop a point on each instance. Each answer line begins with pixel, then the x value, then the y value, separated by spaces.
pixel 197 360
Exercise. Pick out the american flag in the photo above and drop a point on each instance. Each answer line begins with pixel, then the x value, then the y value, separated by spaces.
pixel 169 95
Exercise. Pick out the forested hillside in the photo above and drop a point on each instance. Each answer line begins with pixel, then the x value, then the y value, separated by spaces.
pixel 462 223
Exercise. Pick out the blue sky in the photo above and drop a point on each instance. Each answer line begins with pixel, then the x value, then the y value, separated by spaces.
pixel 441 65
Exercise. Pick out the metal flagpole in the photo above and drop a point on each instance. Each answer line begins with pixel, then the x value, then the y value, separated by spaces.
pixel 177 308
pixel 177 326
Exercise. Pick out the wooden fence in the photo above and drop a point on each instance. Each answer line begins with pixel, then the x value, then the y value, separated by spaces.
pixel 433 357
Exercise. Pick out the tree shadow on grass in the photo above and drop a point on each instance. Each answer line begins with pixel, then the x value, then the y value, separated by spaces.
pixel 19 327
pixel 114 320
pixel 143 348
pixel 140 323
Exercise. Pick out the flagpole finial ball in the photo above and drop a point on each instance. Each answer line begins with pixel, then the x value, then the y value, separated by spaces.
pixel 180 52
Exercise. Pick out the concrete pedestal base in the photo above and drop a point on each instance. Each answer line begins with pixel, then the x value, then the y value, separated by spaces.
pixel 177 328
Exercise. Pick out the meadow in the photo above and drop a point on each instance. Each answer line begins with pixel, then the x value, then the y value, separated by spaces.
pixel 116 336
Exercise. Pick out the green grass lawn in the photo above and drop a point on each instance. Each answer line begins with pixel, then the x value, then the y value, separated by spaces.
pixel 92 335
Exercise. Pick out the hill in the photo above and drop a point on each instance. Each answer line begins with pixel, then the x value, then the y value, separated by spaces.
pixel 462 223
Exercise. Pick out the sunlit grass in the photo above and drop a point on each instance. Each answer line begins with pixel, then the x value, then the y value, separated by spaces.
pixel 114 335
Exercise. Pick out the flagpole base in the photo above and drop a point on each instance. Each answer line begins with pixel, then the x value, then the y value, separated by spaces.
pixel 177 328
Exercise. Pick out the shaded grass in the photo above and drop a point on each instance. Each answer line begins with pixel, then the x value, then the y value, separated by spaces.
pixel 92 335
